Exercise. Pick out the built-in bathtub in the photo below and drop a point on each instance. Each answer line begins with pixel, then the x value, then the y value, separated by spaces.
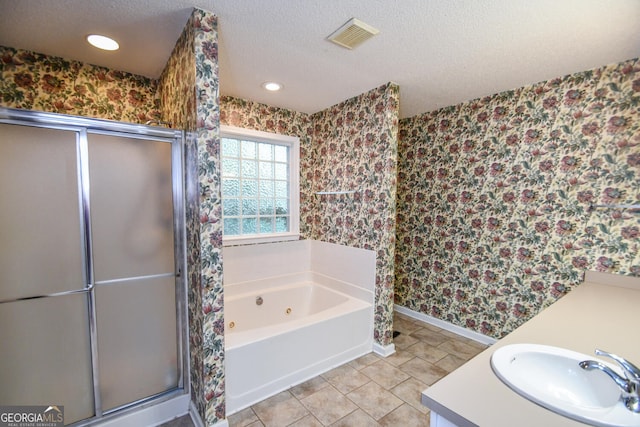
pixel 284 329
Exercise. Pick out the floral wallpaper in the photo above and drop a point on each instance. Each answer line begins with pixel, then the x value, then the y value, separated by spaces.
pixel 190 99
pixel 178 101
pixel 493 198
pixel 33 81
pixel 351 146
pixel 355 147
pixel 208 140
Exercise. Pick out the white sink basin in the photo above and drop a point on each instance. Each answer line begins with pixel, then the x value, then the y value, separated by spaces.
pixel 551 377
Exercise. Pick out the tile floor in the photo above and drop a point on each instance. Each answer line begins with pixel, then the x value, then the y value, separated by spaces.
pixel 371 390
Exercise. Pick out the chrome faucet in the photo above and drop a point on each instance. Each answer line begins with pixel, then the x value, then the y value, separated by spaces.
pixel 630 383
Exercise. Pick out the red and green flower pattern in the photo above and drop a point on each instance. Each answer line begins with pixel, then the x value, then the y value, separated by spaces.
pixel 493 198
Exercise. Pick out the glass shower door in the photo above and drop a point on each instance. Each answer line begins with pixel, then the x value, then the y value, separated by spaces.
pixel 134 268
pixel 45 355
pixel 92 305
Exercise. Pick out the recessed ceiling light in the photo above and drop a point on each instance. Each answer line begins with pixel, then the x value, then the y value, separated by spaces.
pixel 102 42
pixel 272 86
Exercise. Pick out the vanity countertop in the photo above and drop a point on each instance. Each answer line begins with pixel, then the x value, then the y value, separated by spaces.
pixel 602 312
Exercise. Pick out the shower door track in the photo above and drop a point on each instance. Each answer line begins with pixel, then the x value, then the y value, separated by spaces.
pixel 82 126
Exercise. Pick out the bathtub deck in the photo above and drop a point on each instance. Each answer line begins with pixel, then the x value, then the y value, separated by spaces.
pixel 370 390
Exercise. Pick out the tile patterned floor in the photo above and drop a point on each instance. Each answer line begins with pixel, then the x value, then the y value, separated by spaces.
pixel 371 390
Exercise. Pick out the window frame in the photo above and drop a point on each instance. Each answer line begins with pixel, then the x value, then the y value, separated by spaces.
pixel 293 143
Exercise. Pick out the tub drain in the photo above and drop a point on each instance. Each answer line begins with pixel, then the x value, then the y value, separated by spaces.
pixel 288 311
pixel 232 325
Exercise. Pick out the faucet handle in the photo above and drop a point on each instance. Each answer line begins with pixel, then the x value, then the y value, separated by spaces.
pixel 630 370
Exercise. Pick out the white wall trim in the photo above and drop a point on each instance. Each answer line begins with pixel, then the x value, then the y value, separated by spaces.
pixel 195 416
pixel 473 335
pixel 384 350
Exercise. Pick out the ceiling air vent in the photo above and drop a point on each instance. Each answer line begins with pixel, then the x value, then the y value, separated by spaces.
pixel 352 34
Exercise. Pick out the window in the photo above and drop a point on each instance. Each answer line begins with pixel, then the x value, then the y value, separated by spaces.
pixel 260 190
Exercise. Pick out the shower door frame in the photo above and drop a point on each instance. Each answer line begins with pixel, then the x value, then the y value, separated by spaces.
pixel 82 127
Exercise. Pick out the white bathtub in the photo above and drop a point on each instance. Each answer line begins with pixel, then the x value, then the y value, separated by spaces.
pixel 306 324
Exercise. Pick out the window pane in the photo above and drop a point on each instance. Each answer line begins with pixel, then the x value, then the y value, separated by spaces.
pixel 282 224
pixel 255 186
pixel 249 149
pixel 231 207
pixel 266 225
pixel 230 187
pixel 282 206
pixel 282 171
pixel 249 225
pixel 282 153
pixel 266 170
pixel 249 169
pixel 249 188
pixel 249 207
pixel 230 147
pixel 282 189
pixel 266 151
pixel 267 207
pixel 230 167
pixel 266 189
pixel 231 226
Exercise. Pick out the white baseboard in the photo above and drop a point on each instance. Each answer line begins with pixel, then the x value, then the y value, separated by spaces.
pixel 197 421
pixel 222 423
pixel 384 350
pixel 195 416
pixel 473 335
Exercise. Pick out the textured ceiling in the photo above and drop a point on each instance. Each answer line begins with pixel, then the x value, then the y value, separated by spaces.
pixel 440 52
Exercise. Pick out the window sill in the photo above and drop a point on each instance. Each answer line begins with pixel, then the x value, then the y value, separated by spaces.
pixel 255 239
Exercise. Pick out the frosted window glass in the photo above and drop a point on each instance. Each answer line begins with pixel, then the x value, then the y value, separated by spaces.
pixel 281 153
pixel 265 174
pixel 282 171
pixel 231 187
pixel 136 323
pixel 282 189
pixel 231 226
pixel 282 223
pixel 40 214
pixel 266 207
pixel 231 207
pixel 131 206
pixel 266 170
pixel 282 207
pixel 249 207
pixel 265 151
pixel 266 225
pixel 249 169
pixel 266 189
pixel 249 149
pixel 249 188
pixel 45 355
pixel 249 225
pixel 231 147
pixel 231 167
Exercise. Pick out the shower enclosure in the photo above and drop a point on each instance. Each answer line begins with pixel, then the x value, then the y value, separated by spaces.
pixel 92 297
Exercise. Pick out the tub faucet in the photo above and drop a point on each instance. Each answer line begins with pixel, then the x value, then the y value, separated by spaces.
pixel 629 384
